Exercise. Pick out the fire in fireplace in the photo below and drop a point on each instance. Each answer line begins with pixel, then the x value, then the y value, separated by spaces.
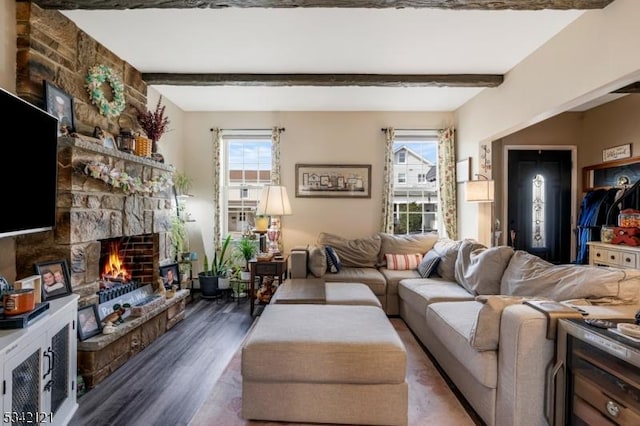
pixel 127 259
pixel 114 269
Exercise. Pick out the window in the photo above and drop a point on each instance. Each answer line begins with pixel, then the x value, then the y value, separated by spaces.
pixel 415 203
pixel 246 163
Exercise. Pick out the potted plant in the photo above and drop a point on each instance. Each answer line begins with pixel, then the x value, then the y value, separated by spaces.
pixel 182 183
pixel 209 277
pixel 247 249
pixel 179 237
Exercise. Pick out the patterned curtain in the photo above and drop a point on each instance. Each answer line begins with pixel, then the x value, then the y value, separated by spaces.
pixel 275 155
pixel 217 153
pixel 447 181
pixel 387 187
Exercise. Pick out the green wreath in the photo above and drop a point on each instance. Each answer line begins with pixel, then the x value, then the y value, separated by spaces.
pixel 98 75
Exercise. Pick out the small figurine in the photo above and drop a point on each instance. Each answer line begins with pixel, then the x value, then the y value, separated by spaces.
pixel 108 328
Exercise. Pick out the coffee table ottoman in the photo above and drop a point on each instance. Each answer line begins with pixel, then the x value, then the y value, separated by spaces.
pixel 324 364
pixel 316 291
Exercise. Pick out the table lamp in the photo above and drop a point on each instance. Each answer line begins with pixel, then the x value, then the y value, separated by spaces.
pixel 274 202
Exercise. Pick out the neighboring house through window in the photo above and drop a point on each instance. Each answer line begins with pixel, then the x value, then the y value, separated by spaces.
pixel 246 164
pixel 415 201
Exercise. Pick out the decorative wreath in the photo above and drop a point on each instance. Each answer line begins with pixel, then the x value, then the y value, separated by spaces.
pixel 98 75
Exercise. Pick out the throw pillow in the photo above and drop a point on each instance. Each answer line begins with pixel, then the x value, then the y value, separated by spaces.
pixel 359 253
pixel 428 264
pixel 403 262
pixel 530 275
pixel 333 261
pixel 447 249
pixel 316 260
pixel 405 244
pixel 479 269
pixel 485 333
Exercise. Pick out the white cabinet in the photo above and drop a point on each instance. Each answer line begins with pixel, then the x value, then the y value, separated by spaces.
pixel 617 255
pixel 39 367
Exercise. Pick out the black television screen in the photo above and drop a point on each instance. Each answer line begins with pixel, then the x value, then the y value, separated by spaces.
pixel 29 166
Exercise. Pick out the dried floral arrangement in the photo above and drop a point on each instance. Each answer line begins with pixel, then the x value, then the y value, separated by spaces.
pixel 154 123
pixel 128 184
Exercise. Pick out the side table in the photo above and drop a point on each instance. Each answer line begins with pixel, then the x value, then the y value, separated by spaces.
pixel 272 268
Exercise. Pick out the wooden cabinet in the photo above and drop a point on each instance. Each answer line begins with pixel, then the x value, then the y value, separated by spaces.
pixel 617 255
pixel 39 367
pixel 602 376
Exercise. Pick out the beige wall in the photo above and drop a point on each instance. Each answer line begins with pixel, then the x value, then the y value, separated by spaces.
pixel 591 57
pixel 310 137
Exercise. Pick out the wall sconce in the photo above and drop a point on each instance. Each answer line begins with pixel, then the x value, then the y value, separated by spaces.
pixel 479 191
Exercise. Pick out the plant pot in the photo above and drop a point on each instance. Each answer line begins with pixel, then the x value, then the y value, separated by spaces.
pixel 245 275
pixel 223 283
pixel 209 285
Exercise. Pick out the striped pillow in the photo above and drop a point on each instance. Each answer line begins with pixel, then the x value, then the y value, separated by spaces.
pixel 402 262
pixel 333 261
pixel 428 264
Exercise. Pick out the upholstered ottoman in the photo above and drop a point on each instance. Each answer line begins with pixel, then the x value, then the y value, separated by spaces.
pixel 316 291
pixel 324 364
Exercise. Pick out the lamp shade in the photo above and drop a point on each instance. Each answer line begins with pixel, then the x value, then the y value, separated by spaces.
pixel 479 191
pixel 274 201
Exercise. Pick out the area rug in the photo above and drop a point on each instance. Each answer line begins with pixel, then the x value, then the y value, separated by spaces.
pixel 431 401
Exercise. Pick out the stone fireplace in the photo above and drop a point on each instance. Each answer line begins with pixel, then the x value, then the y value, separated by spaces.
pixel 92 214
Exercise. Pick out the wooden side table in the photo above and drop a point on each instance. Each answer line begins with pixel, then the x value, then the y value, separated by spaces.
pixel 272 268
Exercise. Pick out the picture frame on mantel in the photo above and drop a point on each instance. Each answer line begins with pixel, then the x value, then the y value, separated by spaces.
pixel 56 279
pixel 333 180
pixel 59 104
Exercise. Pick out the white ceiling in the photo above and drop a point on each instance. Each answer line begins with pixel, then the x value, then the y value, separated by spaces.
pixel 322 40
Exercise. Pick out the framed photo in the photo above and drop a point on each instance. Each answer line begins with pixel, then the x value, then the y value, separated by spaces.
pixel 463 170
pixel 108 140
pixel 88 322
pixel 34 282
pixel 59 104
pixel 55 279
pixel 170 275
pixel 333 180
pixel 616 152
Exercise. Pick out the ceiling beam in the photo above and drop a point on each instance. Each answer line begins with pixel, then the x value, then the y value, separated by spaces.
pixel 273 80
pixel 369 4
pixel 630 88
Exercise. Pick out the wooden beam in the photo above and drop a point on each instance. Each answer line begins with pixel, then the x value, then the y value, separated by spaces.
pixel 273 80
pixel 368 4
pixel 630 88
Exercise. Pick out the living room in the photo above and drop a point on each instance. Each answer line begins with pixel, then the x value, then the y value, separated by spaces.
pixel 530 107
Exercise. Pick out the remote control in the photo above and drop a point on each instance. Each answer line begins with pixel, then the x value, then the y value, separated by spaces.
pixel 601 323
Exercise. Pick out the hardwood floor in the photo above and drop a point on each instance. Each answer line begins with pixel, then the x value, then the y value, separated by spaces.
pixel 166 383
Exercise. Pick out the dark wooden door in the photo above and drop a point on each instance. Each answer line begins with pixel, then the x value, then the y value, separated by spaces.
pixel 539 203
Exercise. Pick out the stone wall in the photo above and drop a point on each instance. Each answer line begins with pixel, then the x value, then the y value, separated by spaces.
pixel 52 48
pixel 89 210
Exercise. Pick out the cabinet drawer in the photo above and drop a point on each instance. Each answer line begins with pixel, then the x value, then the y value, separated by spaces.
pixel 266 268
pixel 601 256
pixel 628 260
pixel 609 407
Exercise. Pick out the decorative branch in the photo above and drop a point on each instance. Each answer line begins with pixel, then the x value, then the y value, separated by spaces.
pixel 154 123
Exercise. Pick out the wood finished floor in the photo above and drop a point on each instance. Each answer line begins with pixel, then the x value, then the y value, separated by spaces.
pixel 166 383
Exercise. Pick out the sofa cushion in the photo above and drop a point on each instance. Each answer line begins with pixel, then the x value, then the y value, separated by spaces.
pixel 316 260
pixel 405 244
pixel 394 277
pixel 401 262
pixel 429 264
pixel 361 252
pixel 447 250
pixel 369 276
pixel 479 269
pixel 529 275
pixel 418 293
pixel 451 323
pixel 485 333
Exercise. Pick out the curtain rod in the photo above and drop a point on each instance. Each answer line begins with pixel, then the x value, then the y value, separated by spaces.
pixel 384 129
pixel 282 129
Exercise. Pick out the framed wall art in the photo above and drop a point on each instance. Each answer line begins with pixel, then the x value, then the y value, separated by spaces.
pixel 88 322
pixel 56 281
pixel 59 104
pixel 333 180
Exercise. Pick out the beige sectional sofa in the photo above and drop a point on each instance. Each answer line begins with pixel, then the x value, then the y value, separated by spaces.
pixel 472 317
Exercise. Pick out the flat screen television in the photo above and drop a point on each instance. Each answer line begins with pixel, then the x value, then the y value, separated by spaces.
pixel 29 164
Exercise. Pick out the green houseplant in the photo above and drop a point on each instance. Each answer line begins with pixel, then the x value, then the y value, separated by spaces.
pixel 212 272
pixel 182 182
pixel 247 249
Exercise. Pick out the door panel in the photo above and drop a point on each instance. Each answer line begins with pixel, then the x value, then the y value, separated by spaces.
pixel 539 203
